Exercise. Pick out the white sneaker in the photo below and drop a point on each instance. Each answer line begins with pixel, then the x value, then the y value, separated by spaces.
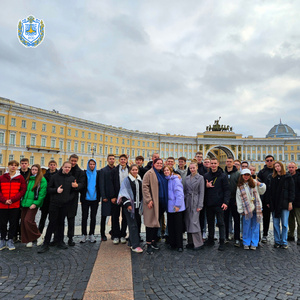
pixel 83 239
pixel 92 238
pixel 204 236
pixel 116 241
pixel 123 240
pixel 40 241
pixel 29 245
pixel 184 237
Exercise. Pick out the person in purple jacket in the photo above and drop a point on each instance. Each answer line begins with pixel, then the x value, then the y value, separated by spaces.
pixel 176 207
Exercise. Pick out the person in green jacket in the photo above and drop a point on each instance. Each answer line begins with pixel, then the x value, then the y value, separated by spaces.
pixel 32 200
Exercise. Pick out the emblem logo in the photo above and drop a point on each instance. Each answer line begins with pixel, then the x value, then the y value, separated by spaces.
pixel 31 31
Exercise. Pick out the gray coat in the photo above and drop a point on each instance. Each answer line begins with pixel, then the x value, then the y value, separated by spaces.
pixel 193 196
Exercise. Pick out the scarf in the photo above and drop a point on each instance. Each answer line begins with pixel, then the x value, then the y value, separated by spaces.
pixel 91 192
pixel 162 190
pixel 246 203
pixel 126 192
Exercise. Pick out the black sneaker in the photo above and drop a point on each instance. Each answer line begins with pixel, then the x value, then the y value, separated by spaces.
pixel 291 239
pixel 149 249
pixel 44 248
pixel 154 246
pixel 276 246
pixel 104 238
pixel 221 247
pixel 71 242
pixel 62 246
pixel 53 243
pixel 189 246
pixel 209 243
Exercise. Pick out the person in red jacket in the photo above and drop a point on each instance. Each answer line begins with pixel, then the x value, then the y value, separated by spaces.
pixel 12 189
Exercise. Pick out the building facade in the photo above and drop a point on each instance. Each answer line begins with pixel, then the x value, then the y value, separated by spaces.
pixel 41 135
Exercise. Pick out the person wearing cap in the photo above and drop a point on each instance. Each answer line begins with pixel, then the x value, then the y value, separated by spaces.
pixel 250 206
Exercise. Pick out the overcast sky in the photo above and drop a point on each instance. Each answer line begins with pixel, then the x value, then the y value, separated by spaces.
pixel 158 66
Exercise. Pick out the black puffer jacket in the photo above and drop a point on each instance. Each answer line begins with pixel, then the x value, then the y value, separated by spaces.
pixel 220 193
pixel 265 176
pixel 282 192
pixel 48 175
pixel 296 178
pixel 68 194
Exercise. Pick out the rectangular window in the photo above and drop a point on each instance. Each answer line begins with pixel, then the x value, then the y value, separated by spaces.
pixel 143 144
pixel 148 144
pixel 89 148
pixel 280 156
pixel 33 126
pixel 286 157
pixel 100 164
pixel 31 160
pixel 100 150
pixel 298 157
pixel 42 161
pixel 23 124
pixel 258 148
pixel 2 119
pixel 285 148
pixel 12 139
pixel 128 152
pixel 106 139
pixel 1 159
pixel 82 134
pixel 95 137
pixel 32 141
pixel 75 147
pixel 132 153
pixel 13 122
pixel 101 138
pixel 69 132
pixel 111 149
pixel 76 133
pixel 123 142
pixel 1 138
pixel 10 157
pixel 117 150
pixel 139 143
pixel 292 148
pixel 248 156
pixel 61 145
pixel 117 140
pixel 43 142
pixel 61 130
pixel 132 143
pixel 280 148
pixel 275 157
pixel 53 129
pixel 82 148
pixel 111 139
pixel 105 150
pixel 298 147
pixel 153 145
pixel 292 157
pixel 60 162
pixel 89 135
pixel 82 163
pixel 44 127
pixel 128 142
pixel 68 146
pixel 52 143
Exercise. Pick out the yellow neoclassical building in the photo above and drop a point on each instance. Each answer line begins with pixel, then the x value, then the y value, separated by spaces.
pixel 42 135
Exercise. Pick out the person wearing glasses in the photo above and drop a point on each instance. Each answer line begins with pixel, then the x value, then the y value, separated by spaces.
pixel 250 206
pixel 264 176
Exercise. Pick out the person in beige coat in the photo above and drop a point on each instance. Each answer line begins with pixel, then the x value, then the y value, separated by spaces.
pixel 155 201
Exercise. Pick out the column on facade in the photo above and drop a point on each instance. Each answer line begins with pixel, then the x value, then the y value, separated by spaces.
pixel 255 152
pixel 283 155
pixel 277 156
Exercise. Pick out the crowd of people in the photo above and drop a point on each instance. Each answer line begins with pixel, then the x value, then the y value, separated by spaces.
pixel 170 202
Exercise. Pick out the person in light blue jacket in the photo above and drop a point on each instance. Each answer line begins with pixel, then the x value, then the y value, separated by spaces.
pixel 176 207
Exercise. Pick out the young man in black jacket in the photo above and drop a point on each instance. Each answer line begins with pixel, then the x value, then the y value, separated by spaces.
pixel 216 199
pixel 52 170
pixel 264 176
pixel 118 174
pixel 201 168
pixel 106 193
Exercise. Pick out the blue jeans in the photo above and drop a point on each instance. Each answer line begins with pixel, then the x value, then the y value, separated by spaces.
pixel 250 231
pixel 281 238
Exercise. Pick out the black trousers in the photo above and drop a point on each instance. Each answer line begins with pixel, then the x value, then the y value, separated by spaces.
pixel 10 216
pixel 44 215
pixel 118 232
pixel 87 205
pixel 175 229
pixel 266 218
pixel 151 234
pixel 134 227
pixel 56 224
pixel 213 212
pixel 202 216
pixel 236 218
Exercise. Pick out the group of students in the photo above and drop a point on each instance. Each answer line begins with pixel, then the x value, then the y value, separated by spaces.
pixel 192 197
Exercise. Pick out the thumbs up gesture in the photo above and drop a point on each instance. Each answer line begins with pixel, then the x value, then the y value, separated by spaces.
pixel 74 184
pixel 60 189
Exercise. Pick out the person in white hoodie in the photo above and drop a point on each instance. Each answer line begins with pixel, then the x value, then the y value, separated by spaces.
pixel 250 206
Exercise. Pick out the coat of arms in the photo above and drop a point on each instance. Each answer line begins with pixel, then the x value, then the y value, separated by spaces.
pixel 31 31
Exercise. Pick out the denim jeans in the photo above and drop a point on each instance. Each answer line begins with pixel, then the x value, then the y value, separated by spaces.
pixel 281 237
pixel 251 231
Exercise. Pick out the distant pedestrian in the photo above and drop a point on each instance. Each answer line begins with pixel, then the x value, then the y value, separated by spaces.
pixel 32 200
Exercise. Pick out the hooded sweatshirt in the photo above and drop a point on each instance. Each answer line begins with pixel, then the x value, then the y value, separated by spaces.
pixel 91 191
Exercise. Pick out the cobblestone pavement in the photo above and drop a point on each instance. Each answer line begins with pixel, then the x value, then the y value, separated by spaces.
pixel 57 274
pixel 266 273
